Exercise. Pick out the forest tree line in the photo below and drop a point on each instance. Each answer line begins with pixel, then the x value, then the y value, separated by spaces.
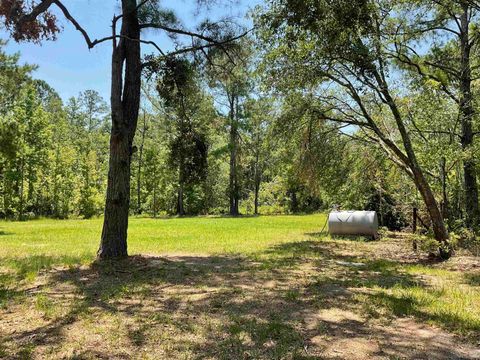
pixel 55 153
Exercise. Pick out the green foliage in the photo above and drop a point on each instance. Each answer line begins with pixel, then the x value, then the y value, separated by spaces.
pixel 53 157
pixel 467 239
pixel 12 77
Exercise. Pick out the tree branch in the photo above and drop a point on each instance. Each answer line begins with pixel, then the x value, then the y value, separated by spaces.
pixel 75 23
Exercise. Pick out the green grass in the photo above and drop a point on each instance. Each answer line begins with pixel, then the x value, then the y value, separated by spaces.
pixel 202 235
pixel 31 246
pixel 218 287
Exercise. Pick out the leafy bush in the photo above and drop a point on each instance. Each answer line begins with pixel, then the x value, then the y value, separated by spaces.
pixel 427 244
pixel 382 231
pixel 467 239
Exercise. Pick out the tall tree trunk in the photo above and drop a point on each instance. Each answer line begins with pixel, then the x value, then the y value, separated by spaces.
pixel 56 205
pixel 466 116
pixel 438 225
pixel 256 199
pixel 411 162
pixel 22 166
pixel 180 208
pixel 294 200
pixel 380 205
pixel 139 170
pixel 443 177
pixel 30 189
pixel 181 178
pixel 125 103
pixel 233 186
pixel 257 179
pixel 154 189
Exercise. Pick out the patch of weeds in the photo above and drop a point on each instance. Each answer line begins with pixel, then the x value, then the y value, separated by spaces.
pixel 369 308
pixel 292 295
pixel 144 291
pixel 26 352
pixel 236 291
pixel 183 325
pixel 7 279
pixel 137 336
pixel 473 279
pixel 115 291
pixel 379 273
pixel 277 338
pixel 7 295
pixel 45 305
pixel 417 269
pixel 435 249
pixel 160 318
pixel 381 265
pixel 276 261
pixel 217 303
pixel 467 239
pixel 27 268
pixel 400 302
pixel 3 350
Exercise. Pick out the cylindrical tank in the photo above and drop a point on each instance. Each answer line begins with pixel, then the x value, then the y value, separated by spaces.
pixel 353 223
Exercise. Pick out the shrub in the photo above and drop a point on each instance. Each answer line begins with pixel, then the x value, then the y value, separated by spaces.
pixel 467 239
pixel 427 244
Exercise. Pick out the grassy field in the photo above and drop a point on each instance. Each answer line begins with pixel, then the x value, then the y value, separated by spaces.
pixel 231 288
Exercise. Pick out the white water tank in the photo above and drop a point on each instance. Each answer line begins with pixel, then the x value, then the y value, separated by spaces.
pixel 353 223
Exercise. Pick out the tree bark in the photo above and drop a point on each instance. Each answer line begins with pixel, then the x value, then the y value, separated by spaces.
pixel 180 208
pixel 257 179
pixel 22 165
pixel 154 190
pixel 233 186
pixel 414 228
pixel 293 197
pixel 443 176
pixel 125 103
pixel 436 217
pixel 139 170
pixel 411 162
pixel 257 190
pixel 181 181
pixel 466 116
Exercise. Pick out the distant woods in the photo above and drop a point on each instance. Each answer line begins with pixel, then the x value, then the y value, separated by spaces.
pixel 54 155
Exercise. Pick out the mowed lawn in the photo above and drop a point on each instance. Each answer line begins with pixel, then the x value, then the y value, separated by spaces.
pixel 198 235
pixel 43 243
pixel 268 287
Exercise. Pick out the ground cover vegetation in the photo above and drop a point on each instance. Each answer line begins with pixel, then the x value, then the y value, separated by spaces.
pixel 268 287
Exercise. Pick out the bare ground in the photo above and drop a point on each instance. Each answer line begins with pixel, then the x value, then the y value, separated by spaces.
pixel 303 300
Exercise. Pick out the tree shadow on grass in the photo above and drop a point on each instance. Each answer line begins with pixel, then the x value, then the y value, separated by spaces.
pixel 16 270
pixel 26 266
pixel 376 278
pixel 356 238
pixel 242 307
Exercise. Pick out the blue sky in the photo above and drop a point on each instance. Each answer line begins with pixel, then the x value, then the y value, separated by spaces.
pixel 69 67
